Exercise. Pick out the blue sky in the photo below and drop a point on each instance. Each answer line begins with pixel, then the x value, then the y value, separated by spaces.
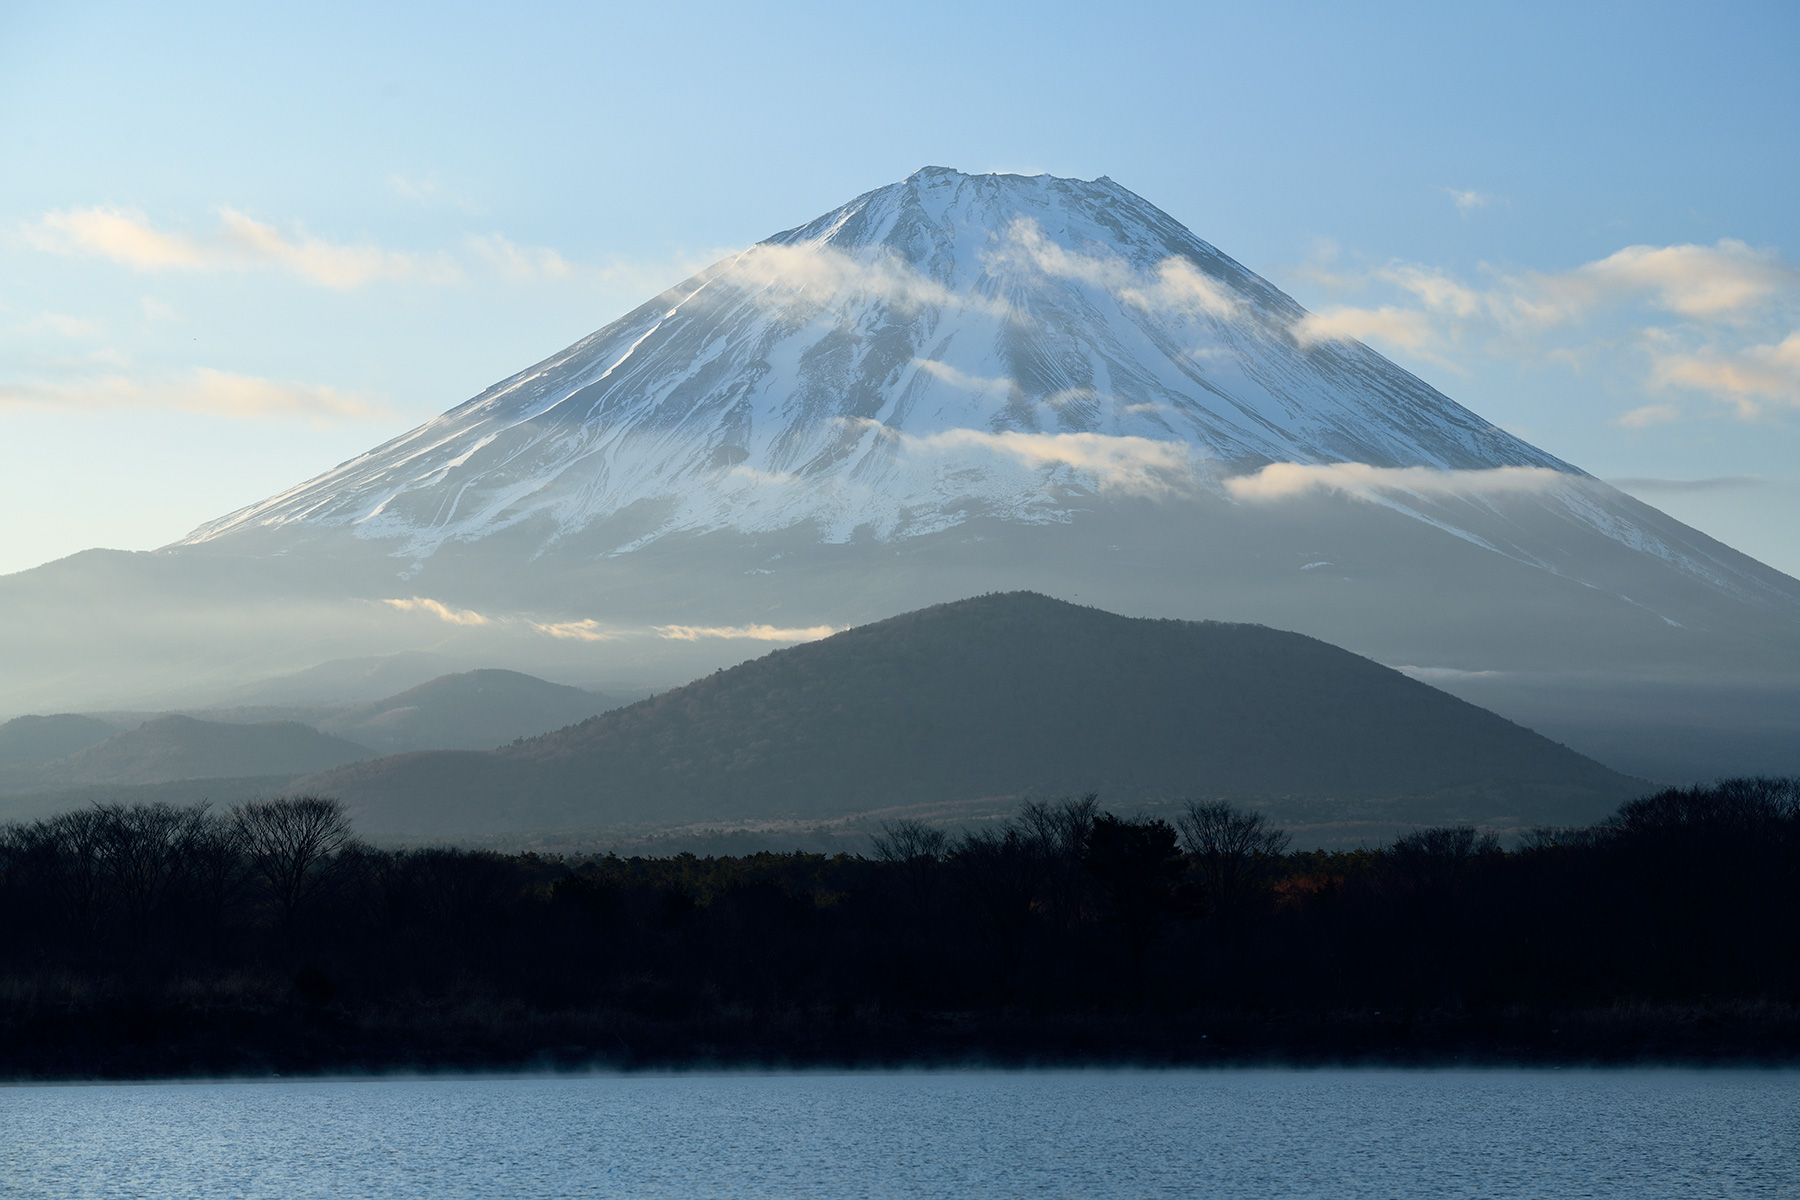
pixel 239 244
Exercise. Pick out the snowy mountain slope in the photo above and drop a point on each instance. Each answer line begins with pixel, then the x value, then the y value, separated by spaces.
pixel 947 347
pixel 1005 340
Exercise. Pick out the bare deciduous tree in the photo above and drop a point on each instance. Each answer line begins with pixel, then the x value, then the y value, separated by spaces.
pixel 999 872
pixel 147 848
pixel 917 850
pixel 1062 831
pixel 1235 850
pixel 72 850
pixel 216 868
pixel 290 844
pixel 1437 860
pixel 1139 867
pixel 904 841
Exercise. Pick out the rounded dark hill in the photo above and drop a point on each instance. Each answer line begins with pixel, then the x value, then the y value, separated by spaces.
pixel 996 697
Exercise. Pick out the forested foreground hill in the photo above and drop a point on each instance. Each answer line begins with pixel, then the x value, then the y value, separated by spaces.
pixel 1004 695
pixel 160 941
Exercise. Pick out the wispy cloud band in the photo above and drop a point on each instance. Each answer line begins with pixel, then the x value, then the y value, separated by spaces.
pixel 1130 465
pixel 239 242
pixel 1281 481
pixel 203 390
pixel 1716 320
pixel 1173 285
pixel 755 633
pixel 435 608
pixel 589 630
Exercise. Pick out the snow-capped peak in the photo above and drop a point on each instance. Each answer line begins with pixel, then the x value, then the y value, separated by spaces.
pixel 945 344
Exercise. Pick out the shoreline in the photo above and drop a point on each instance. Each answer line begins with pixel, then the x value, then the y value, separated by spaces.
pixel 220 1046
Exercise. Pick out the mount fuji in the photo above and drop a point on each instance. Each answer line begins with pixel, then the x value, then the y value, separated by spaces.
pixel 947 343
pixel 950 385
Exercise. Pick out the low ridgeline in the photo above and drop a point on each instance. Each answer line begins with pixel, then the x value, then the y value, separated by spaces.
pixel 156 940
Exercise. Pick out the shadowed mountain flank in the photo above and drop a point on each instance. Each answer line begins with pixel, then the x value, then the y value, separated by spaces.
pixel 995 697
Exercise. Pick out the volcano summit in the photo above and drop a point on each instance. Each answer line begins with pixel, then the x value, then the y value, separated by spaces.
pixel 951 385
pixel 946 345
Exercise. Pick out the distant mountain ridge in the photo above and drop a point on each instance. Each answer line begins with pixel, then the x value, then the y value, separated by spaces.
pixel 998 697
pixel 29 741
pixel 175 747
pixel 471 710
pixel 355 680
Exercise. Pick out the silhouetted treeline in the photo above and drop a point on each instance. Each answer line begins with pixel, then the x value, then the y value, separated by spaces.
pixel 160 940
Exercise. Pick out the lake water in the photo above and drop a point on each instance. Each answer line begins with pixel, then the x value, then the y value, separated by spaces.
pixel 1096 1134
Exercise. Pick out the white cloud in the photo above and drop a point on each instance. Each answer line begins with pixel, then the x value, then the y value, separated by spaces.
pixel 1713 483
pixel 1133 465
pixel 1696 281
pixel 326 264
pixel 63 325
pixel 1177 284
pixel 429 192
pixel 1321 267
pixel 1057 400
pixel 759 633
pixel 1127 464
pixel 443 612
pixel 1748 377
pixel 125 237
pixel 819 272
pixel 203 390
pixel 1445 674
pixel 1708 319
pixel 423 190
pixel 1025 247
pixel 1438 290
pixel 1442 308
pixel 240 243
pixel 1650 414
pixel 1467 201
pixel 1174 284
pixel 1728 281
pixel 156 310
pixel 588 630
pixel 962 379
pixel 1397 326
pixel 1280 481
pixel 1707 283
pixel 520 264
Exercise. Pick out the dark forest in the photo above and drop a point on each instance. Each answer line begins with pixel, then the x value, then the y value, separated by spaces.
pixel 153 940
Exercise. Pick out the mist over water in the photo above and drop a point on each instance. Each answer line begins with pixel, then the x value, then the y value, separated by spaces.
pixel 1123 1133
